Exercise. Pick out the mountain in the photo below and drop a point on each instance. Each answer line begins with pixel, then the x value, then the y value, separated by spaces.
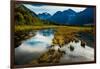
pixel 62 17
pixel 44 16
pixel 84 17
pixel 70 17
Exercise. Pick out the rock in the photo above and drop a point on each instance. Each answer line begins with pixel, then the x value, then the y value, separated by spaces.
pixel 71 48
pixel 83 43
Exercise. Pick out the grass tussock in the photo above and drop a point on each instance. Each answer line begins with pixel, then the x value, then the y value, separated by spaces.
pixel 51 56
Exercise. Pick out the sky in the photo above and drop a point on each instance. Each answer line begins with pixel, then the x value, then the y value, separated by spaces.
pixel 38 9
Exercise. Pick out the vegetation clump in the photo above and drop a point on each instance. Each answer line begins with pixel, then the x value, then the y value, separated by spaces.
pixel 51 56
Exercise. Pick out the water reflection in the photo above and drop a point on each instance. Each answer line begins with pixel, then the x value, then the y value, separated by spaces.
pixel 32 48
pixel 46 32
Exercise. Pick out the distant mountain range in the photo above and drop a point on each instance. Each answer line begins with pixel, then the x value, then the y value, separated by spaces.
pixel 25 16
pixel 62 17
pixel 70 17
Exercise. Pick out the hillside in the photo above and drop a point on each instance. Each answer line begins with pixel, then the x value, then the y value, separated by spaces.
pixel 24 16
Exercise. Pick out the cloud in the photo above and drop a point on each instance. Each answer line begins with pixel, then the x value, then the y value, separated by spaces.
pixel 52 9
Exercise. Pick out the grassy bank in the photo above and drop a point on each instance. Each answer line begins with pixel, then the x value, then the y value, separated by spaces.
pixel 30 27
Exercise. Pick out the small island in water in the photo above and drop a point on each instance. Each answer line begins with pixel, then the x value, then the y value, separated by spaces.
pixel 49 36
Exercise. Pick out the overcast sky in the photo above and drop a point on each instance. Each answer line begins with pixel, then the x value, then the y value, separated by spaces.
pixel 51 9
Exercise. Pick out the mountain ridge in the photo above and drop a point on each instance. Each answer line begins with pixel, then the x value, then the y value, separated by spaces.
pixel 70 17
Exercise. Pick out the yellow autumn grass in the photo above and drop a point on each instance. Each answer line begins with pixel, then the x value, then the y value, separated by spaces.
pixel 66 28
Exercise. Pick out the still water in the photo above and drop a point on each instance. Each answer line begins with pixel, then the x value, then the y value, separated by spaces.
pixel 32 48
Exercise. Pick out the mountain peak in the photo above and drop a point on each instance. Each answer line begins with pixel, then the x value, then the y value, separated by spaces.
pixel 44 15
pixel 58 12
pixel 69 11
